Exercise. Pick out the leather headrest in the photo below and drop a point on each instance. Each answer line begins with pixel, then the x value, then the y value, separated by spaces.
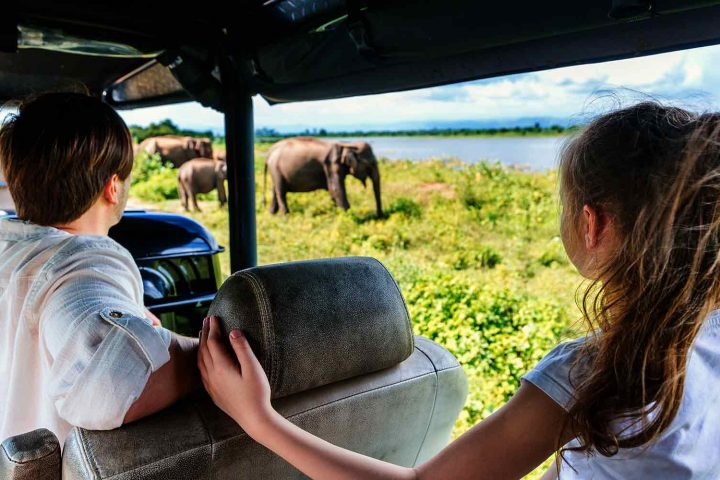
pixel 317 322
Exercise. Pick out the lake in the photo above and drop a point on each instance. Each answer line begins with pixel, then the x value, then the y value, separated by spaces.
pixel 536 153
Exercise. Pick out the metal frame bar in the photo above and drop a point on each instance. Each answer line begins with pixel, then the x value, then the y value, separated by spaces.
pixel 240 157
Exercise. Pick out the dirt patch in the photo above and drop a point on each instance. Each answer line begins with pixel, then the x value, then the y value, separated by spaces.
pixel 442 189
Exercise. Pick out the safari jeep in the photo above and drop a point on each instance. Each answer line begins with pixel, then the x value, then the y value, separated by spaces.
pixel 373 386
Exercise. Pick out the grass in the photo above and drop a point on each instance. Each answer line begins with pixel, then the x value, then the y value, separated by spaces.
pixel 474 248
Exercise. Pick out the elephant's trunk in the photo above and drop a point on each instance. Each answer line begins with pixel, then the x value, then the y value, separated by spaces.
pixel 375 177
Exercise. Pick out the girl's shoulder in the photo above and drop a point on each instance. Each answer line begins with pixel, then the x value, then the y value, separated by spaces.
pixel 554 373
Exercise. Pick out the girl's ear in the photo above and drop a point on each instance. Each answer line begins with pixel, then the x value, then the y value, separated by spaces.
pixel 589 217
pixel 595 226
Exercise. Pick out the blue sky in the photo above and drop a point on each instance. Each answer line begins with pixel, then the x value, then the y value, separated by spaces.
pixel 690 78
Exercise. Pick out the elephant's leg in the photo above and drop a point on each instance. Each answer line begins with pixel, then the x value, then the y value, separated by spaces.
pixel 183 196
pixel 279 187
pixel 222 197
pixel 273 204
pixel 193 193
pixel 341 200
pixel 281 195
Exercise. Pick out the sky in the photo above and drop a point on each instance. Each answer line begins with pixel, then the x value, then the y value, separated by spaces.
pixel 689 78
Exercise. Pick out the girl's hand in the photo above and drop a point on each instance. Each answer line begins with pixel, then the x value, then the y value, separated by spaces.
pixel 239 385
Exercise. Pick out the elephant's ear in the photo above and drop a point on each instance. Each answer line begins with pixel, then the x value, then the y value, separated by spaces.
pixel 334 155
pixel 349 158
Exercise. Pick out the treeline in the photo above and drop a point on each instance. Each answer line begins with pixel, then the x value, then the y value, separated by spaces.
pixel 270 134
pixel 165 127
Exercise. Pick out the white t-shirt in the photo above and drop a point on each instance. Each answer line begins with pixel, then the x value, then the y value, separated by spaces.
pixel 75 346
pixel 688 449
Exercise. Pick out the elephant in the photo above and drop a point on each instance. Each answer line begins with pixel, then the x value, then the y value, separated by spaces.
pixel 177 150
pixel 201 175
pixel 303 164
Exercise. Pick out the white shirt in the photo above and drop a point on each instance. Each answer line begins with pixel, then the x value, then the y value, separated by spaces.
pixel 75 346
pixel 688 449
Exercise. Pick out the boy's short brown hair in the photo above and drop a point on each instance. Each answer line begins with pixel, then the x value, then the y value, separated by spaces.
pixel 59 151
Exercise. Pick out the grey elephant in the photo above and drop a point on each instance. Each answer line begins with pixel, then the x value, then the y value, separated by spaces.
pixel 175 149
pixel 303 164
pixel 201 175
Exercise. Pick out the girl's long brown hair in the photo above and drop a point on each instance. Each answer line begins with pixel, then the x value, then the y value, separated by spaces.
pixel 654 172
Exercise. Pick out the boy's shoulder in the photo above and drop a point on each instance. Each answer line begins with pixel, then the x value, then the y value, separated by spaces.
pixel 89 244
pixel 94 251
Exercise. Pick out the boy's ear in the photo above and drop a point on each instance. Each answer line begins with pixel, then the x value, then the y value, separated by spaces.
pixel 111 190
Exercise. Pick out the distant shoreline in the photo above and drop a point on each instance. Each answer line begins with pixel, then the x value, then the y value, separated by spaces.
pixel 260 139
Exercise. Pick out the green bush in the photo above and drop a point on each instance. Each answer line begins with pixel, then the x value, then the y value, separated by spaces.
pixel 146 165
pixel 497 335
pixel 554 254
pixel 405 207
pixel 483 257
pixel 158 187
pixel 153 180
pixel 509 201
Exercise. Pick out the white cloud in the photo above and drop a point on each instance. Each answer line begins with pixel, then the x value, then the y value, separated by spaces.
pixel 685 76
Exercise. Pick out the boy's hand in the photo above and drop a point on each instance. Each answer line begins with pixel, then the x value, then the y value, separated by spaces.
pixel 238 385
pixel 153 318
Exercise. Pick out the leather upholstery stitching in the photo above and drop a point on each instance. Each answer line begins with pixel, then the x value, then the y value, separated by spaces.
pixel 433 363
pixel 8 455
pixel 208 433
pixel 432 410
pixel 29 461
pixel 266 324
pixel 126 472
pixel 339 400
pixel 211 446
pixel 271 330
pixel 407 314
pixel 361 393
pixel 86 457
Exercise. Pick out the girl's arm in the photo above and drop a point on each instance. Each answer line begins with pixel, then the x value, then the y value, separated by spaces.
pixel 506 445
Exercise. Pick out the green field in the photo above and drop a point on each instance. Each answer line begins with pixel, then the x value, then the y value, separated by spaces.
pixel 474 248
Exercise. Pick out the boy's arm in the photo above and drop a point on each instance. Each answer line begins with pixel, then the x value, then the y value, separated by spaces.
pixel 108 363
pixel 178 377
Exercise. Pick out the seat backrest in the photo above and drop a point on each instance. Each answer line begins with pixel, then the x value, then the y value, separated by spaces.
pixel 404 415
pixel 335 339
pixel 31 456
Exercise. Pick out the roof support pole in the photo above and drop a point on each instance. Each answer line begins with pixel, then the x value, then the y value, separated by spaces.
pixel 240 157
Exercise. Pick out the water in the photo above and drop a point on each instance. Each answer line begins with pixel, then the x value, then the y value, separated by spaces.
pixel 536 153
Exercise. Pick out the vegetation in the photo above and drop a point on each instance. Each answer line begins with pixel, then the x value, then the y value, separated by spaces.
pixel 165 127
pixel 474 249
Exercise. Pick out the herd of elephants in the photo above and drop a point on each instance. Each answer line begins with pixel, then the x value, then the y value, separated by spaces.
pixel 298 164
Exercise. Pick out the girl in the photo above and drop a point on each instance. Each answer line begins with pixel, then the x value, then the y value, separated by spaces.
pixel 635 398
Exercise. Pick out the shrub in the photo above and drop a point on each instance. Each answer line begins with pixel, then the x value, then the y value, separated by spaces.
pixel 146 165
pixel 484 257
pixel 159 186
pixel 405 207
pixel 554 254
pixel 496 335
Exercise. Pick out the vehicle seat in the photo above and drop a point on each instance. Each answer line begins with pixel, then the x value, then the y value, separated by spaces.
pixel 336 341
